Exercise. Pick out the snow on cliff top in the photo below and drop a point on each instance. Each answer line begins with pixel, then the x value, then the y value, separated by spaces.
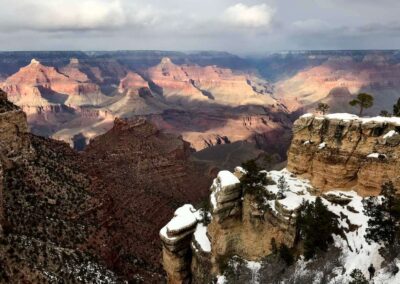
pixel 184 218
pixel 349 117
pixel 226 178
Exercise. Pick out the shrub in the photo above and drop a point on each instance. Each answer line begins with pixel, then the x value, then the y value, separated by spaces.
pixel 358 277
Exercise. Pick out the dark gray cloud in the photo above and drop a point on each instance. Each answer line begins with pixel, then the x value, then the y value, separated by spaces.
pixel 242 26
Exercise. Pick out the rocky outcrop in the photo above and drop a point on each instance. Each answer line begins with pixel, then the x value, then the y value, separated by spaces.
pixel 240 226
pixel 176 237
pixel 346 152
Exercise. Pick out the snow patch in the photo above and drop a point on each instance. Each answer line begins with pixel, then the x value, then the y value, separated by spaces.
pixel 201 237
pixel 376 156
pixel 390 134
pixel 349 117
pixel 226 178
pixel 183 219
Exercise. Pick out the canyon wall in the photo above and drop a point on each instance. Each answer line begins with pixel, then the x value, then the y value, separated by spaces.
pixel 13 144
pixel 342 151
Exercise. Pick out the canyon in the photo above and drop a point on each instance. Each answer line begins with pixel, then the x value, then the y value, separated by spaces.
pixel 155 129
pixel 338 157
pixel 75 96
pixel 68 215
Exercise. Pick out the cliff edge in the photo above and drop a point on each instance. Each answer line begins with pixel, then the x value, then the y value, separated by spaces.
pixel 343 151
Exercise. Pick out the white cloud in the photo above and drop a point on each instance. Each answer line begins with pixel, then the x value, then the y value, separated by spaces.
pixel 74 15
pixel 241 15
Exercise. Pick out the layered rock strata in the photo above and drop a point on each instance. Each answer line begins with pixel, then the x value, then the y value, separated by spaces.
pixel 345 151
pixel 239 226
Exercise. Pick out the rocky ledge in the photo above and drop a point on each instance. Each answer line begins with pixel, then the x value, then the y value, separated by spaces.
pixel 347 152
pixel 197 244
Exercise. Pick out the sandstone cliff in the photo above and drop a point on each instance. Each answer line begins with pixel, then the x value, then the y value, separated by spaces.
pixel 238 225
pixel 343 151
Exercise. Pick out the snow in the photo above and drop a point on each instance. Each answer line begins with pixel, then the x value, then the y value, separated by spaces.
pixel 254 268
pixel 322 145
pixel 307 142
pixel 356 252
pixel 376 155
pixel 221 279
pixel 240 170
pixel 184 218
pixel 349 117
pixel 201 237
pixel 342 116
pixel 226 178
pixel 307 115
pixel 390 134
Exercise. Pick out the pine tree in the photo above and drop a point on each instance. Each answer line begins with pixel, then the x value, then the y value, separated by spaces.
pixel 254 180
pixel 358 277
pixel 364 101
pixel 315 225
pixel 283 187
pixel 322 108
pixel 384 213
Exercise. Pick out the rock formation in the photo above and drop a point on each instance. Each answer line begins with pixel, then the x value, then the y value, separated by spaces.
pixel 239 226
pixel 345 151
pixel 39 87
pixel 211 84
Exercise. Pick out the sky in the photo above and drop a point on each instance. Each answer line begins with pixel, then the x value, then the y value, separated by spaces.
pixel 238 26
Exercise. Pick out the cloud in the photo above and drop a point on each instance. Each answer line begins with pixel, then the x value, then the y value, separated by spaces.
pixel 74 15
pixel 256 16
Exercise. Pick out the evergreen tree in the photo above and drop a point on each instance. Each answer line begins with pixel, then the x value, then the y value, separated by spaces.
pixel 315 225
pixel 254 180
pixel 358 277
pixel 283 187
pixel 396 108
pixel 322 108
pixel 384 213
pixel 364 101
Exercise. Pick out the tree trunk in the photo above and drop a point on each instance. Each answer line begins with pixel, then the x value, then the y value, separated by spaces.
pixel 361 111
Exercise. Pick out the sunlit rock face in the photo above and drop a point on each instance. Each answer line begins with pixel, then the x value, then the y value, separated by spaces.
pixel 43 88
pixel 210 84
pixel 337 80
pixel 345 151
